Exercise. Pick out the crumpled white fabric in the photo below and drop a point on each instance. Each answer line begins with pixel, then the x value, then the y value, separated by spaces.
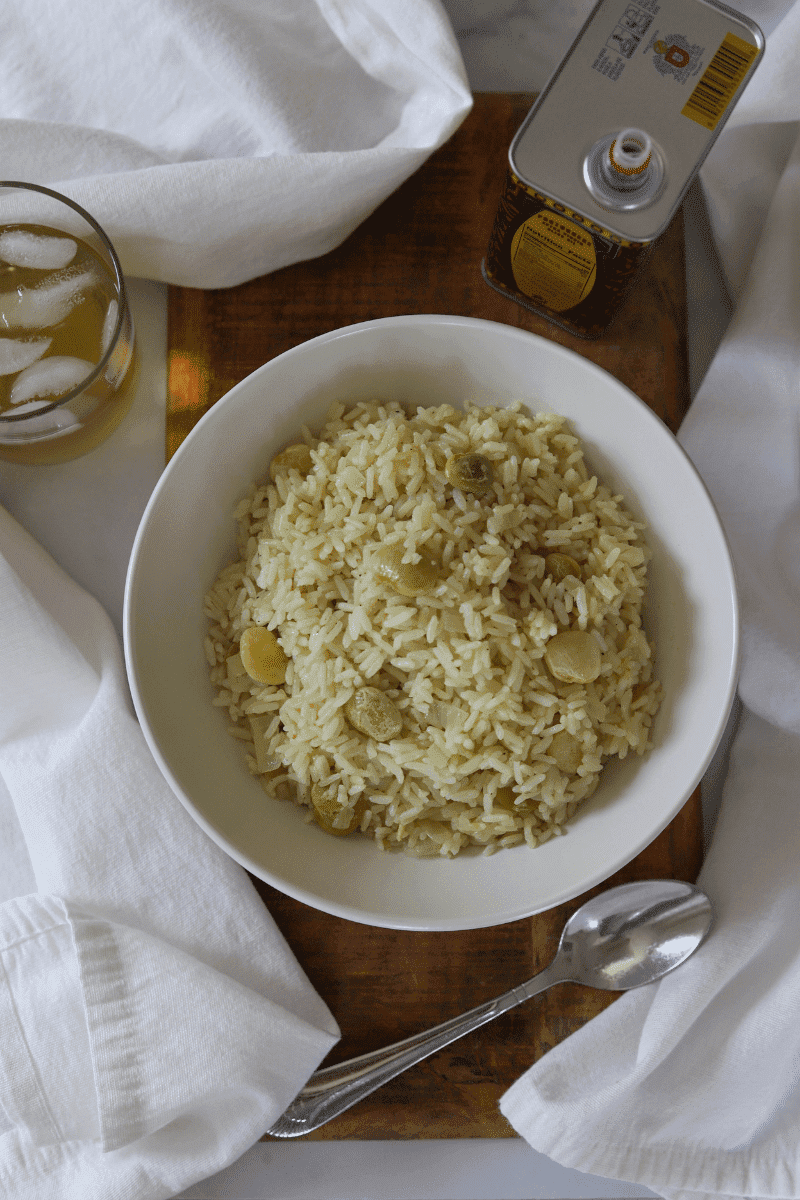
pixel 153 1021
pixel 691 1087
pixel 218 140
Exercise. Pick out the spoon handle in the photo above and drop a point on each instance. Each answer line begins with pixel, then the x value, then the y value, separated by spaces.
pixel 333 1090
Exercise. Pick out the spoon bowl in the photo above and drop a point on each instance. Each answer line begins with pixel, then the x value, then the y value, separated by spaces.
pixel 633 934
pixel 620 939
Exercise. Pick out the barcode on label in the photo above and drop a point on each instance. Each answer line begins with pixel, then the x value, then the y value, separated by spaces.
pixel 720 81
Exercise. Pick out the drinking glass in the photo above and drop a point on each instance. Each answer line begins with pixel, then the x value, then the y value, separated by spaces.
pixel 67 352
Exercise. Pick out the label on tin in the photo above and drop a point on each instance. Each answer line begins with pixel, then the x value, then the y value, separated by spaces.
pixel 719 82
pixel 553 260
pixel 550 262
pixel 624 38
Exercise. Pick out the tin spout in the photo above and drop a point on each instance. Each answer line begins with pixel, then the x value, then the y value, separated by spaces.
pixel 630 157
pixel 624 170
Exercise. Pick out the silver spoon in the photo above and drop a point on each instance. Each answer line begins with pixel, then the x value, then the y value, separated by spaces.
pixel 621 939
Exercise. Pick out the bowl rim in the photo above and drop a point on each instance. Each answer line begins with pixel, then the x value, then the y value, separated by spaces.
pixel 346 911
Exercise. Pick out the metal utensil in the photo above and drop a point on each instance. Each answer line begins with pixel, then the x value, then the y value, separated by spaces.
pixel 621 939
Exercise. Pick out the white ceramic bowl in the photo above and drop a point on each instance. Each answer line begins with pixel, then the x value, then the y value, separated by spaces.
pixel 187 534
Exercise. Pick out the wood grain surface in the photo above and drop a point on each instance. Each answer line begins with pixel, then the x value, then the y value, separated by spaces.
pixel 420 252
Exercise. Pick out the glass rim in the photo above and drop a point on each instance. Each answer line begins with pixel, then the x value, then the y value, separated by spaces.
pixel 13 418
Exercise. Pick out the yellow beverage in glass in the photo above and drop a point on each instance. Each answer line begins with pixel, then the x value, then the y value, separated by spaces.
pixel 67 357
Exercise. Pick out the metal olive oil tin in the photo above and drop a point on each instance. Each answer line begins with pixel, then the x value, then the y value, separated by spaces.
pixel 604 157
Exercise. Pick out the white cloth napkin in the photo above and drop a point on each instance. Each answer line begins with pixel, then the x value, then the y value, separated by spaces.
pixel 153 1022
pixel 691 1086
pixel 218 140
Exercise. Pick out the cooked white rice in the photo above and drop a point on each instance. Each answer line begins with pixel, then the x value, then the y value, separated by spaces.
pixel 475 762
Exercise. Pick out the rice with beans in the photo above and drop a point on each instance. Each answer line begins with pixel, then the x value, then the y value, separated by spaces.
pixel 490 742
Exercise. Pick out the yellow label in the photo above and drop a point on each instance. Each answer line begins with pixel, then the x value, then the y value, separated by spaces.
pixel 719 82
pixel 553 261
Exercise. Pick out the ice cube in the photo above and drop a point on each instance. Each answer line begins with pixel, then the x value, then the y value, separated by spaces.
pixel 21 248
pixel 46 305
pixel 54 423
pixel 50 377
pixel 17 353
pixel 31 406
pixel 109 325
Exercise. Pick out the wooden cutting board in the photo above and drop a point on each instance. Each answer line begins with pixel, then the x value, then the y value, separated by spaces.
pixel 420 252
